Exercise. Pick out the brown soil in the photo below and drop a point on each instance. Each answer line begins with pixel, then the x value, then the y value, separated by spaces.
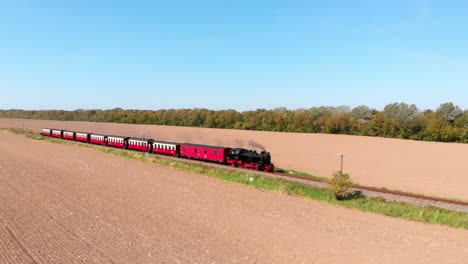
pixel 65 204
pixel 431 168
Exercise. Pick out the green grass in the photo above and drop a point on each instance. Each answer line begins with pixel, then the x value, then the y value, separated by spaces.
pixel 300 173
pixel 374 205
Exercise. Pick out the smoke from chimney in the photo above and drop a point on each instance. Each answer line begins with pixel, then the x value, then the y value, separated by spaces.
pixel 256 145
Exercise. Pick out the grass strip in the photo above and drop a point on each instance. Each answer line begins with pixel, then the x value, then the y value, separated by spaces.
pixel 300 173
pixel 407 211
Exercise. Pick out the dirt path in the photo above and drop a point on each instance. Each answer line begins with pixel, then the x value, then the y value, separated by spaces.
pixel 431 168
pixel 64 204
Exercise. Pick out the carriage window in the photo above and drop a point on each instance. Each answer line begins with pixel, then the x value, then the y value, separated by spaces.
pixel 216 153
pixel 204 152
pixel 195 150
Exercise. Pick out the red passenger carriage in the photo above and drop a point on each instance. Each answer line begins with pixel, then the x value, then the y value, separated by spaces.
pixel 70 135
pixel 82 136
pixel 57 133
pixel 46 132
pixel 140 144
pixel 98 139
pixel 166 148
pixel 117 141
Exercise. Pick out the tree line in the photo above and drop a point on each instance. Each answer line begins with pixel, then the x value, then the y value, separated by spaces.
pixel 447 123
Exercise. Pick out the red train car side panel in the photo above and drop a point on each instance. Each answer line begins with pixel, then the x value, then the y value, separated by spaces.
pixel 203 152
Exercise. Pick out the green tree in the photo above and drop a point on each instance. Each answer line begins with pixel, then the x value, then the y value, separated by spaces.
pixel 448 112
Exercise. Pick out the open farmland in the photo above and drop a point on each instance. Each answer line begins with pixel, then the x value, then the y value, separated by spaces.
pixel 64 204
pixel 431 168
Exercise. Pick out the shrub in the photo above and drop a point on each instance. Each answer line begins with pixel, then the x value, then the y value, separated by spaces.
pixel 339 185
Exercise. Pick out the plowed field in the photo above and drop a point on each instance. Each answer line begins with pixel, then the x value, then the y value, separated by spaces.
pixel 65 204
pixel 431 168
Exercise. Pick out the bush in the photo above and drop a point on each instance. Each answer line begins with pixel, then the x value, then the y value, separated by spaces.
pixel 339 185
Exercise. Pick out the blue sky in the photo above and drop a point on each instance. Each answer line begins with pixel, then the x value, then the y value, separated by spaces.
pixel 232 54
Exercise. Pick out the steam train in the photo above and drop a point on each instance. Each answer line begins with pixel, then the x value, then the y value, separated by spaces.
pixel 236 157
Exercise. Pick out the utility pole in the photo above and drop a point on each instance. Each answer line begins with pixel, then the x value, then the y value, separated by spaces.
pixel 341 168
